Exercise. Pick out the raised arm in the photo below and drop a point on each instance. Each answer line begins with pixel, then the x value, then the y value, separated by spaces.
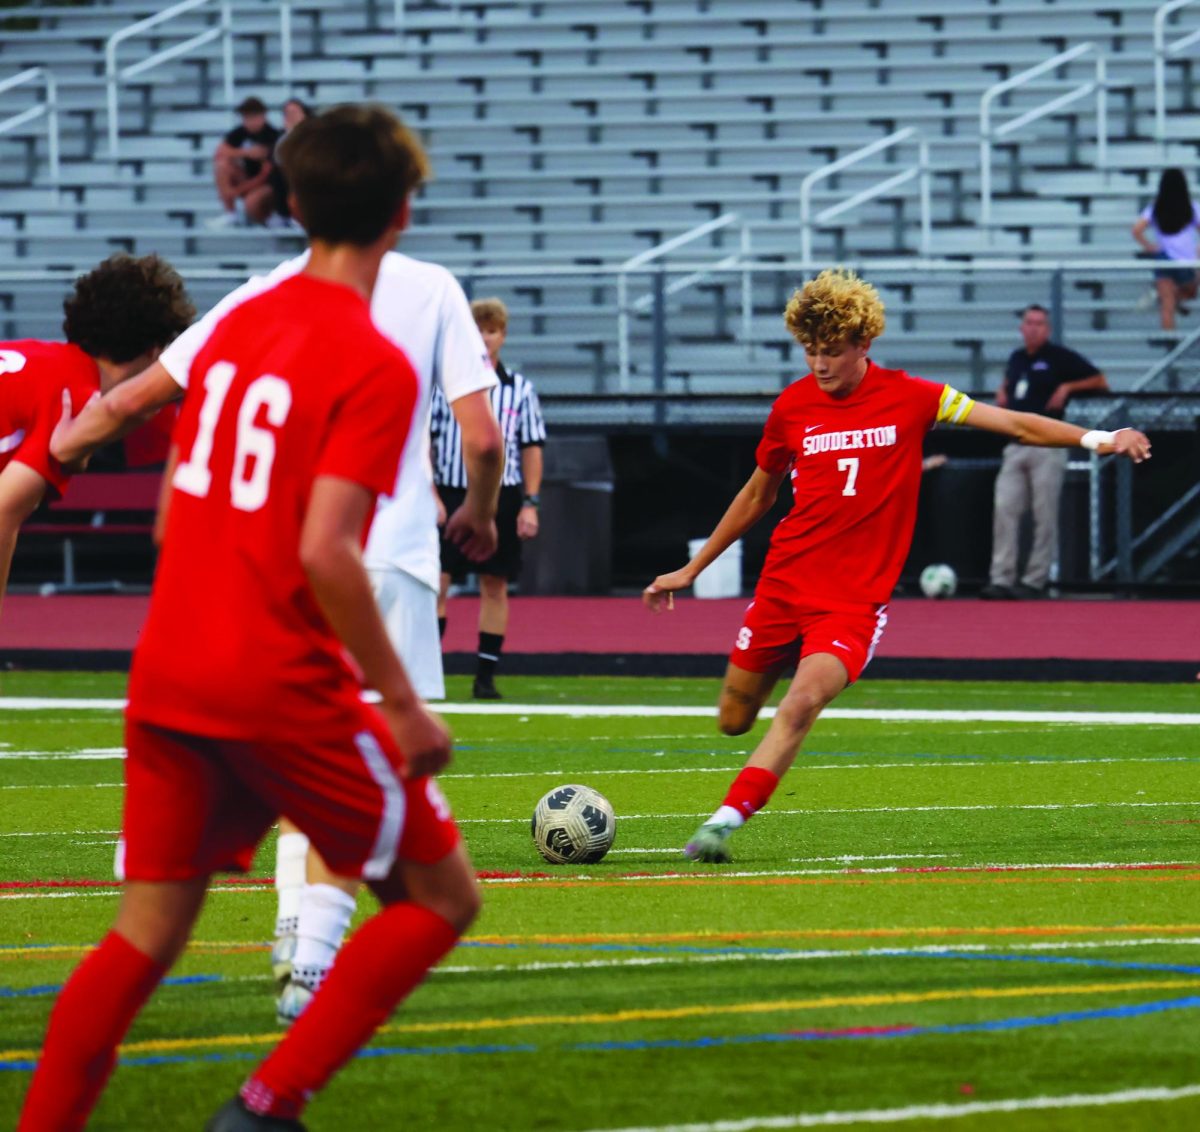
pixel 748 506
pixel 1045 432
pixel 112 416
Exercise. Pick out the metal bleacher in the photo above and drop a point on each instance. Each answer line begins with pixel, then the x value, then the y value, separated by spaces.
pixel 570 136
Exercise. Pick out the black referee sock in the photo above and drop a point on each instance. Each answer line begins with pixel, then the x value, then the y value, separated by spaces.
pixel 441 627
pixel 490 647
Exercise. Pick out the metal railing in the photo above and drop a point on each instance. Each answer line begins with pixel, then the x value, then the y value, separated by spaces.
pixel 47 109
pixel 920 171
pixel 1162 54
pixel 661 289
pixel 989 134
pixel 114 75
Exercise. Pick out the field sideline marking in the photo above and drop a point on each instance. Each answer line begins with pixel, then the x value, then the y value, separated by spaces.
pixel 1055 930
pixel 670 1013
pixel 581 711
pixel 928 1111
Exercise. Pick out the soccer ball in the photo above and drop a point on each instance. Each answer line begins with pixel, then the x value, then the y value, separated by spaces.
pixel 938 580
pixel 573 825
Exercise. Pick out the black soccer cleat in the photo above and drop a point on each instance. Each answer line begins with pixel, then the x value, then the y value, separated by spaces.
pixel 485 690
pixel 236 1117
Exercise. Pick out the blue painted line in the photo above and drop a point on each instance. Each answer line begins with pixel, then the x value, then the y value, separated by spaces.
pixel 53 988
pixel 1192 1002
pixel 1073 960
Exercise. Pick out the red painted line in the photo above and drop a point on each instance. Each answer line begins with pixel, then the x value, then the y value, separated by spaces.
pixel 92 882
pixel 857 1031
pixel 509 874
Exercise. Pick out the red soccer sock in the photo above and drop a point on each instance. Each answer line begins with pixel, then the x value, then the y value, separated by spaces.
pixel 91 1016
pixel 751 790
pixel 379 966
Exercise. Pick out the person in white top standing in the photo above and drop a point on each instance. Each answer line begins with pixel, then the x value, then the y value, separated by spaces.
pixel 421 308
pixel 1173 224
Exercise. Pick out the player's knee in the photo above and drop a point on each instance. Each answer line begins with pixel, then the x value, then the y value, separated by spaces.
pixel 799 708
pixel 461 906
pixel 736 719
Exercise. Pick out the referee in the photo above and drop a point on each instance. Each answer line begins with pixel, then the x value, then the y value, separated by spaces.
pixel 515 404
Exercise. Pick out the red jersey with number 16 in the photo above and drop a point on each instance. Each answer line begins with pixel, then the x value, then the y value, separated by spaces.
pixel 855 465
pixel 293 384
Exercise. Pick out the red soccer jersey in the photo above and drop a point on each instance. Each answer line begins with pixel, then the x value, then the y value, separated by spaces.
pixel 856 470
pixel 293 384
pixel 33 376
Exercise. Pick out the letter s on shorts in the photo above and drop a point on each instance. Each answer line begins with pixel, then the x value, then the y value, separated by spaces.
pixel 743 637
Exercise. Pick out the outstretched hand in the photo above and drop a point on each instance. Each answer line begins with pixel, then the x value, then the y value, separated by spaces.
pixel 1129 442
pixel 661 592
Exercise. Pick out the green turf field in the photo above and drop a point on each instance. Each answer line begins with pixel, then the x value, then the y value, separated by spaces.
pixel 937 911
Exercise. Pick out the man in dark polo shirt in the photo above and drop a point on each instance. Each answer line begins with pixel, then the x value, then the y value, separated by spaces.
pixel 1039 379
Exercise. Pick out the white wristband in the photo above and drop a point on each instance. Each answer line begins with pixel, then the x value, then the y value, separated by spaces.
pixel 1092 440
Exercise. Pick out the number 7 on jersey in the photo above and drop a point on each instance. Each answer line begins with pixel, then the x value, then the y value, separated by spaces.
pixel 849 465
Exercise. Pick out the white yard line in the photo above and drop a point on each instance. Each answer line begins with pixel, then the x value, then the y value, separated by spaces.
pixel 582 711
pixel 567 875
pixel 868 810
pixel 929 1111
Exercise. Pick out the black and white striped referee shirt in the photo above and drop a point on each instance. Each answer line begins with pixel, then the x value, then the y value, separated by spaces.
pixel 515 403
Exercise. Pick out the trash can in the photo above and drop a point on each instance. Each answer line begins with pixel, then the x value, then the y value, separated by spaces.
pixel 572 553
pixel 723 576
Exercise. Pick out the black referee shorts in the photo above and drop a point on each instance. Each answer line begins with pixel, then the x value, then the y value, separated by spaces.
pixel 506 562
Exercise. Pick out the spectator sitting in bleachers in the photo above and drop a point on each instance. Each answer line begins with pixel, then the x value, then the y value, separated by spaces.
pixel 242 168
pixel 1174 221
pixel 294 112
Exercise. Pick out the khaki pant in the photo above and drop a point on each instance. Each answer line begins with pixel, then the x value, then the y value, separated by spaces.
pixel 1029 478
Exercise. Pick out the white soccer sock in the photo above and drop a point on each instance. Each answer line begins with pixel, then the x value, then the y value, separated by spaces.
pixel 325 913
pixel 291 856
pixel 727 815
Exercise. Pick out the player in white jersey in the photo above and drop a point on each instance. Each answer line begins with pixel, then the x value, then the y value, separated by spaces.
pixel 421 308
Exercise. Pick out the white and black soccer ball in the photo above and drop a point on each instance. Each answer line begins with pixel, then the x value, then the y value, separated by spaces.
pixel 573 825
pixel 938 580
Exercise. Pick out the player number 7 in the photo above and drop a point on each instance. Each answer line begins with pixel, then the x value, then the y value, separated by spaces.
pixel 850 466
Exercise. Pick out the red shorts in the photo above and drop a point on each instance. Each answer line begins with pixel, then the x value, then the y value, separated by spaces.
pixel 195 805
pixel 776 634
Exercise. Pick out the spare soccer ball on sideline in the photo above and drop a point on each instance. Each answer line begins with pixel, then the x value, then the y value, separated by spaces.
pixel 573 825
pixel 938 580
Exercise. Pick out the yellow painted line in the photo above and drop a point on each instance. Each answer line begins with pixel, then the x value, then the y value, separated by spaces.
pixel 672 1013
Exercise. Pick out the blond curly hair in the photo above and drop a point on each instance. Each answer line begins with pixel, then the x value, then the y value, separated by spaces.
pixel 835 307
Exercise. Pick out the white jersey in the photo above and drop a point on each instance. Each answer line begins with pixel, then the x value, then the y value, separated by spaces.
pixel 421 308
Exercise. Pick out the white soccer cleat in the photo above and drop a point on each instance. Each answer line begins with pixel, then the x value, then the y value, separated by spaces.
pixel 293 1000
pixel 708 844
pixel 283 950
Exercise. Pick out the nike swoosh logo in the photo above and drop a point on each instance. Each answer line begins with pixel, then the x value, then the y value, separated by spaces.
pixel 839 645
pixel 811 427
pixel 12 440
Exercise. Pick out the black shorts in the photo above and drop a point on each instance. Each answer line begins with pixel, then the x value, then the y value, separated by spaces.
pixel 506 562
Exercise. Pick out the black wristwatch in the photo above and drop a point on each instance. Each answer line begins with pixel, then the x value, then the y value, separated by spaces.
pixel 533 501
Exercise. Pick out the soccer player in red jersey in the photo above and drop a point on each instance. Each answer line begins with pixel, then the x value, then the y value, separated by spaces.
pixel 118 318
pixel 244 697
pixel 849 438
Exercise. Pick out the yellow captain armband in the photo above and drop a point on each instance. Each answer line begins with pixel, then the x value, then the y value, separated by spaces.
pixel 953 407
